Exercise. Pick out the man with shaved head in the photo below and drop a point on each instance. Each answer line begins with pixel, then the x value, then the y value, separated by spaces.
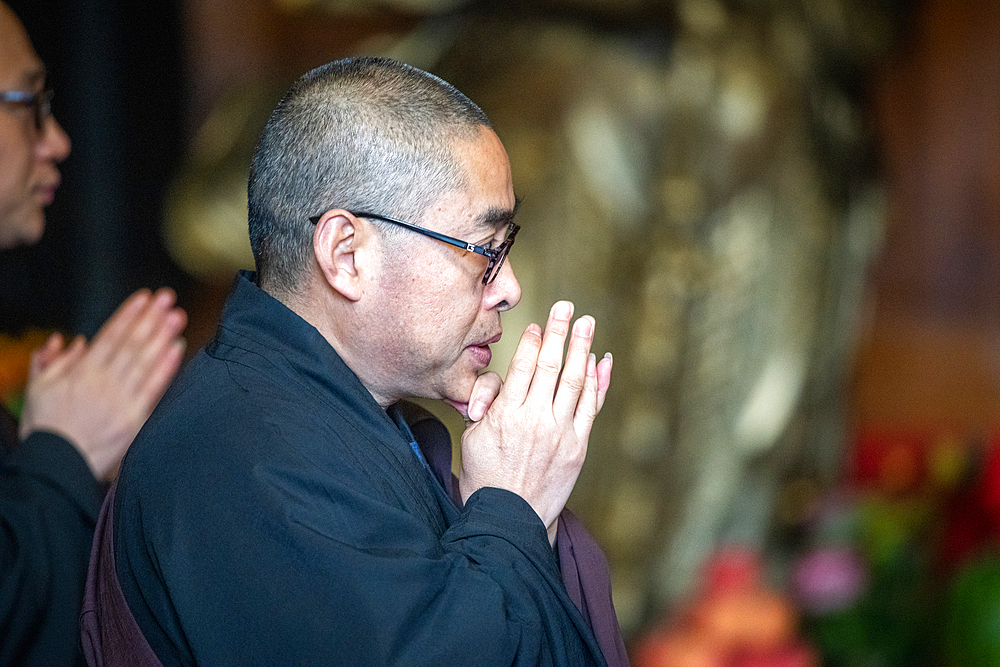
pixel 285 504
pixel 84 401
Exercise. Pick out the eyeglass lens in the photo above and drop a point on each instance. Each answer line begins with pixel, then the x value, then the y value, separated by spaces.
pixel 496 262
pixel 493 270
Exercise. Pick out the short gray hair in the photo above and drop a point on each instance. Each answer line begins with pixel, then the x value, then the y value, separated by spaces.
pixel 366 134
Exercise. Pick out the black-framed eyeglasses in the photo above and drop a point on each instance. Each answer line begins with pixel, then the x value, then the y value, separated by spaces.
pixel 39 103
pixel 495 255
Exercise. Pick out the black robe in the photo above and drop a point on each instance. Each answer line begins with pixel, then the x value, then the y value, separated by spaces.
pixel 49 501
pixel 271 512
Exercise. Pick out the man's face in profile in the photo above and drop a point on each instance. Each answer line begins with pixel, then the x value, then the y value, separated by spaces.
pixel 28 154
pixel 438 319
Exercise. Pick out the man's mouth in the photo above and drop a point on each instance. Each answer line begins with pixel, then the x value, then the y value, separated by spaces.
pixel 481 352
pixel 47 191
pixel 495 339
pixel 481 355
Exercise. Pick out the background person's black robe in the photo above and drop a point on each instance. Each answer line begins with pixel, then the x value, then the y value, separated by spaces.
pixel 271 512
pixel 48 506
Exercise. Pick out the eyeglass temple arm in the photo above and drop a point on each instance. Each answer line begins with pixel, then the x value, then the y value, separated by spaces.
pixel 422 230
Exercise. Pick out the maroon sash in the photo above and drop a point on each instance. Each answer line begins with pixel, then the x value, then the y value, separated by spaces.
pixel 108 630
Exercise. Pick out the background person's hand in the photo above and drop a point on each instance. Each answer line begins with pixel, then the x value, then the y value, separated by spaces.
pixel 98 395
pixel 530 435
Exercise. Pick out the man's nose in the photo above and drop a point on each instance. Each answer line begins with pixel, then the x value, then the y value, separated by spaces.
pixel 54 143
pixel 504 292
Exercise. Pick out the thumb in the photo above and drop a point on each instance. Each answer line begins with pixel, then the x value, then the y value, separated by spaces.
pixel 484 392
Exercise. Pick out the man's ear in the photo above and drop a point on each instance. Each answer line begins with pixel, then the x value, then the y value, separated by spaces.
pixel 336 242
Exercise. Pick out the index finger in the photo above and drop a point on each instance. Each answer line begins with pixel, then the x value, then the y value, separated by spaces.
pixel 550 356
pixel 522 365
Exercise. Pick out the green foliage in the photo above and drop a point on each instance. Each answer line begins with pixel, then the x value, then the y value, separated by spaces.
pixel 972 616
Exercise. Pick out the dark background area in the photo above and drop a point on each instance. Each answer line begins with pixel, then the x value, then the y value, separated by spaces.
pixel 116 68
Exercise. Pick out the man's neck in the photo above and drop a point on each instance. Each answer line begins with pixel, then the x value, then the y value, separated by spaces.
pixel 332 318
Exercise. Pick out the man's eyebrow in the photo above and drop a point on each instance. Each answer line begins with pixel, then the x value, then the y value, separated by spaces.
pixel 496 218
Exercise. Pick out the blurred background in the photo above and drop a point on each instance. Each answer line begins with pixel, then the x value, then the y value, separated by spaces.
pixel 784 215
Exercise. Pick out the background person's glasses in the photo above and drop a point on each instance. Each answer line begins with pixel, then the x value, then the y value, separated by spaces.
pixel 39 103
pixel 495 255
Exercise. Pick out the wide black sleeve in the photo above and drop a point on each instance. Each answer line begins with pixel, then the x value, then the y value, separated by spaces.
pixel 292 569
pixel 49 502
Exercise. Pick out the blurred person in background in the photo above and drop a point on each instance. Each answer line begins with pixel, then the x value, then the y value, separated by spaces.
pixel 84 401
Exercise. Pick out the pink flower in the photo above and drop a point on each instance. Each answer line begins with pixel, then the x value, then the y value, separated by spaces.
pixel 829 579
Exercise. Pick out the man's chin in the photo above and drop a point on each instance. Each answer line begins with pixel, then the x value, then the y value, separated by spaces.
pixel 22 231
pixel 32 229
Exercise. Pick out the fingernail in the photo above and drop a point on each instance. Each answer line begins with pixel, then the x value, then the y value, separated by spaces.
pixel 139 300
pixel 607 355
pixel 477 410
pixel 164 299
pixel 585 326
pixel 562 310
